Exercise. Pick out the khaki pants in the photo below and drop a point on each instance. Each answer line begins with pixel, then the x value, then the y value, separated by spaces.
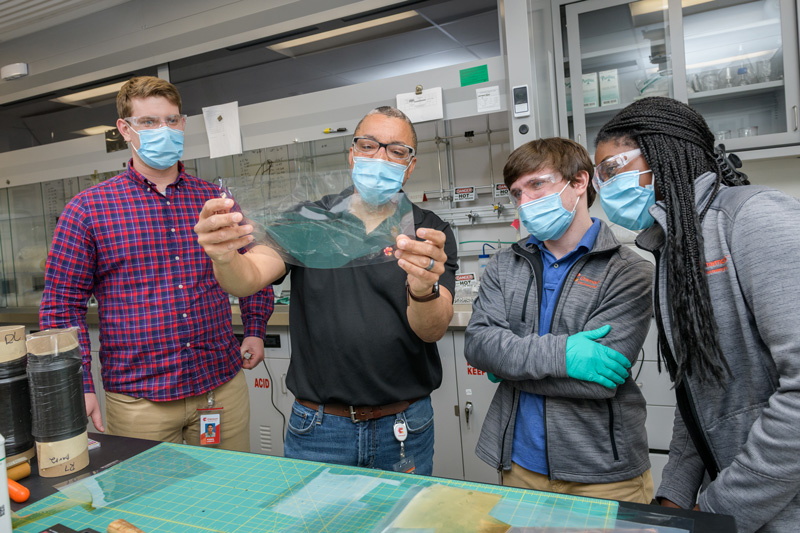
pixel 178 420
pixel 637 490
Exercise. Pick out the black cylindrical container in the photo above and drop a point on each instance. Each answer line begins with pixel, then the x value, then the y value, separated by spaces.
pixel 15 413
pixel 56 386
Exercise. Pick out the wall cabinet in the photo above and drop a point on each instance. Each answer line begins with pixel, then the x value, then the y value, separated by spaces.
pixel 475 393
pixel 736 62
pixel 28 217
pixel 270 400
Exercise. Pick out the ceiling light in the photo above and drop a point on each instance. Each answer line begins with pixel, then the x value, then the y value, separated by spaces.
pixel 84 97
pixel 94 130
pixel 287 46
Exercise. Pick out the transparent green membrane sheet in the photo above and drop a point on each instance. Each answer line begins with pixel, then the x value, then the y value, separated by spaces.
pixel 320 222
pixel 100 494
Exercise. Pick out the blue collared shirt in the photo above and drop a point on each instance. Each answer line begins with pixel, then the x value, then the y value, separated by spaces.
pixel 529 447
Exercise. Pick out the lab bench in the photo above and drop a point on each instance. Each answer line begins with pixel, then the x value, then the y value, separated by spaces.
pixel 162 486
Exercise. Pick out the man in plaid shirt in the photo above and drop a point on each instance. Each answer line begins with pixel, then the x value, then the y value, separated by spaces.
pixel 167 346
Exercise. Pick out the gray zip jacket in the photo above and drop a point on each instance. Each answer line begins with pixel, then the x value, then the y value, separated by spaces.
pixel 752 428
pixel 594 434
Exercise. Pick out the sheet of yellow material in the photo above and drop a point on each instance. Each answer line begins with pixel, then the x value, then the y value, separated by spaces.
pixel 448 509
pixel 122 526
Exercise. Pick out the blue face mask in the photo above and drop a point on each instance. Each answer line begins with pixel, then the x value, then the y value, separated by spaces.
pixel 626 202
pixel 160 148
pixel 377 180
pixel 545 218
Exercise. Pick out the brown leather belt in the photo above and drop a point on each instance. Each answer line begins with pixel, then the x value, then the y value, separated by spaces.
pixel 360 413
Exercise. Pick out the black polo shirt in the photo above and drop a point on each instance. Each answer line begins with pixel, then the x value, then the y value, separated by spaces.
pixel 350 337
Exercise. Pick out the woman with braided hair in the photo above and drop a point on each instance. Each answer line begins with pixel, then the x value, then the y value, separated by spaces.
pixel 726 303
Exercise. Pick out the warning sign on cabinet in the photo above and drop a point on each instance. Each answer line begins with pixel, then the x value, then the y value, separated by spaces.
pixel 464 194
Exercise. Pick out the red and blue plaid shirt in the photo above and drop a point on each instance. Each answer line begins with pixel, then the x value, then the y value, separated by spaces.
pixel 165 323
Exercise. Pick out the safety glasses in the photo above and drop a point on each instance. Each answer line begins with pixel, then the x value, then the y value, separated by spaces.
pixel 532 185
pixel 610 167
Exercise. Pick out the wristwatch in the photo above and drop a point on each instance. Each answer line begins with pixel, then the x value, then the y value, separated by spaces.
pixel 428 297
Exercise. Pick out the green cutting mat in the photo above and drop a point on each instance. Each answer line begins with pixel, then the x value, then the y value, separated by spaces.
pixel 178 488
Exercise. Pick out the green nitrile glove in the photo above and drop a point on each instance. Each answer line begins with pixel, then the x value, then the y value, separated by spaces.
pixel 591 361
pixel 493 378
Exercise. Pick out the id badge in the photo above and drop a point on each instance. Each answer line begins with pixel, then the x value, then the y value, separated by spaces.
pixel 210 426
pixel 405 464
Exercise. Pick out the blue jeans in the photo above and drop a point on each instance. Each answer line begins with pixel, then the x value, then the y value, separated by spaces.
pixel 315 436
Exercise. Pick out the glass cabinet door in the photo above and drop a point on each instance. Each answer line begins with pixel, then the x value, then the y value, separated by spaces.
pixel 735 61
pixel 618 52
pixel 738 74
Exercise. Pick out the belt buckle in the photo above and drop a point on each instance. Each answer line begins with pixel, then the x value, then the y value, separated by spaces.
pixel 353 415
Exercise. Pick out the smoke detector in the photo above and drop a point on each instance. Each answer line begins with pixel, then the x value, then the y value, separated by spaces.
pixel 14 71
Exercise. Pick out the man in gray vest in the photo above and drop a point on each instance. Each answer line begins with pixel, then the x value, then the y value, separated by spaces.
pixel 560 318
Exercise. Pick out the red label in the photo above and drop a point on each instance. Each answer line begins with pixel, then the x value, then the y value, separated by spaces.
pixel 262 383
pixel 472 371
pixel 465 277
pixel 462 190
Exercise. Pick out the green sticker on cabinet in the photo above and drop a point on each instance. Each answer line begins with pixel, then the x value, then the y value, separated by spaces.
pixel 471 76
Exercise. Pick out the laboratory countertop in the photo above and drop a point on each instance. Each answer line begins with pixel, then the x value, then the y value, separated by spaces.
pixel 280 317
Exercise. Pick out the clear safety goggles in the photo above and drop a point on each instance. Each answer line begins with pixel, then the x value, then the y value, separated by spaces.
pixel 151 123
pixel 608 168
pixel 532 186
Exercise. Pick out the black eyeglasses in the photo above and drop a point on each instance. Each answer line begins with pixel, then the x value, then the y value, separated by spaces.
pixel 394 151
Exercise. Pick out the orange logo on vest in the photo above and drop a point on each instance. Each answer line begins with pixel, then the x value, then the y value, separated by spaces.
pixel 583 280
pixel 717 266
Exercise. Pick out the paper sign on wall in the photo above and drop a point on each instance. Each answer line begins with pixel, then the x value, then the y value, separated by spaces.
pixel 465 285
pixel 427 105
pixel 488 99
pixel 222 127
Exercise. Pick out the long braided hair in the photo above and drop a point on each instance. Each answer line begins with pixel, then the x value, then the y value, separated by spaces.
pixel 679 147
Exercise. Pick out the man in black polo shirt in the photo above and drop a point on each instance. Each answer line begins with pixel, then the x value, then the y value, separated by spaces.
pixel 364 359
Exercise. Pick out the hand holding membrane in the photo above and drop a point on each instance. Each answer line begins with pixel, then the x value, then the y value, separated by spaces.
pixel 588 360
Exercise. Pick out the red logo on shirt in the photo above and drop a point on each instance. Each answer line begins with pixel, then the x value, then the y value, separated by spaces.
pixel 583 280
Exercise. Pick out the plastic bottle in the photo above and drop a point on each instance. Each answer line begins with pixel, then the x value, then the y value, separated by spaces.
pixel 483 260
